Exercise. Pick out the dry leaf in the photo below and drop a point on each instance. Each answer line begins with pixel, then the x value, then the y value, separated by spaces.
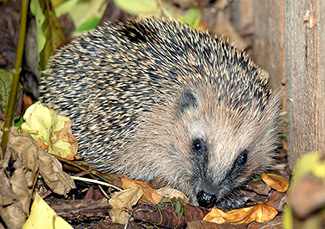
pixel 16 190
pixel 167 214
pixel 277 200
pixel 123 201
pixel 259 213
pixel 275 181
pixel 149 193
pixel 50 130
pixel 172 193
pixel 200 224
pixel 258 186
pixel 51 171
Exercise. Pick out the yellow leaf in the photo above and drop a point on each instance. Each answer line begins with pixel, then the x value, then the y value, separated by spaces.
pixel 50 130
pixel 215 216
pixel 259 213
pixel 319 169
pixel 304 166
pixel 43 216
pixel 276 182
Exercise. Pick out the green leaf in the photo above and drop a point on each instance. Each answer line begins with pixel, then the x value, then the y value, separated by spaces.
pixel 192 17
pixel 90 24
pixel 82 11
pixel 49 31
pixel 138 7
pixel 5 87
pixel 19 122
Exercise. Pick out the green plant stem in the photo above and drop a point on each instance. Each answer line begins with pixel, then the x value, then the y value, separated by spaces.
pixel 15 81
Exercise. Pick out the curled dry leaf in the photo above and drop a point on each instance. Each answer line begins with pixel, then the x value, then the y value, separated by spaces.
pixel 163 217
pixel 16 190
pixel 200 224
pixel 168 214
pixel 123 201
pixel 277 200
pixel 173 193
pixel 258 186
pixel 276 182
pixel 50 130
pixel 259 213
pixel 149 193
pixel 51 171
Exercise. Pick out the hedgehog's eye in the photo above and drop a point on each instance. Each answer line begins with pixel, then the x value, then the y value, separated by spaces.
pixel 242 158
pixel 198 145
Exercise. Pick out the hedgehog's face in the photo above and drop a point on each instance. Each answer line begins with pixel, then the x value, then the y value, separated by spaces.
pixel 226 148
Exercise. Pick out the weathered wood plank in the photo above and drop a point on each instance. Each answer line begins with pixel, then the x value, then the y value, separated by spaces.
pixel 268 48
pixel 304 46
pixel 320 76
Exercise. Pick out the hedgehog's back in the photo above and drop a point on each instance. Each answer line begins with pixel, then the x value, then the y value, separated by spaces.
pixel 106 80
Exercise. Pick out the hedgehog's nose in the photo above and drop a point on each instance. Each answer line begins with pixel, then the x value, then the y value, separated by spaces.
pixel 205 199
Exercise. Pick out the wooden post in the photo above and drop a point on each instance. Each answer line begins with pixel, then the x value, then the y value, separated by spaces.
pixel 305 64
pixel 268 48
pixel 289 43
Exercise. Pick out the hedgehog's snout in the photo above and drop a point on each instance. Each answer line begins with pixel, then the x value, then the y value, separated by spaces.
pixel 205 199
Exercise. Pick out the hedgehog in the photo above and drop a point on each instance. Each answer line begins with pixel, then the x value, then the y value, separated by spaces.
pixel 158 99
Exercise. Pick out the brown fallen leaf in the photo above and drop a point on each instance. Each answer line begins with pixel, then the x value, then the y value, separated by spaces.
pixel 200 224
pixel 149 193
pixel 51 171
pixel 259 213
pixel 17 188
pixel 276 223
pixel 170 192
pixel 93 194
pixel 277 200
pixel 276 182
pixel 123 201
pixel 258 186
pixel 167 215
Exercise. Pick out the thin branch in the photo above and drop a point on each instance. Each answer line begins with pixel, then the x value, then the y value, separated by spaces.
pixel 15 81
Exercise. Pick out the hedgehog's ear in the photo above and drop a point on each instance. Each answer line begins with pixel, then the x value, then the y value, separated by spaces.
pixel 187 101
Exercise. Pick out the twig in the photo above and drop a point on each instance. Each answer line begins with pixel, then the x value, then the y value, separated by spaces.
pixel 96 182
pixel 15 81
